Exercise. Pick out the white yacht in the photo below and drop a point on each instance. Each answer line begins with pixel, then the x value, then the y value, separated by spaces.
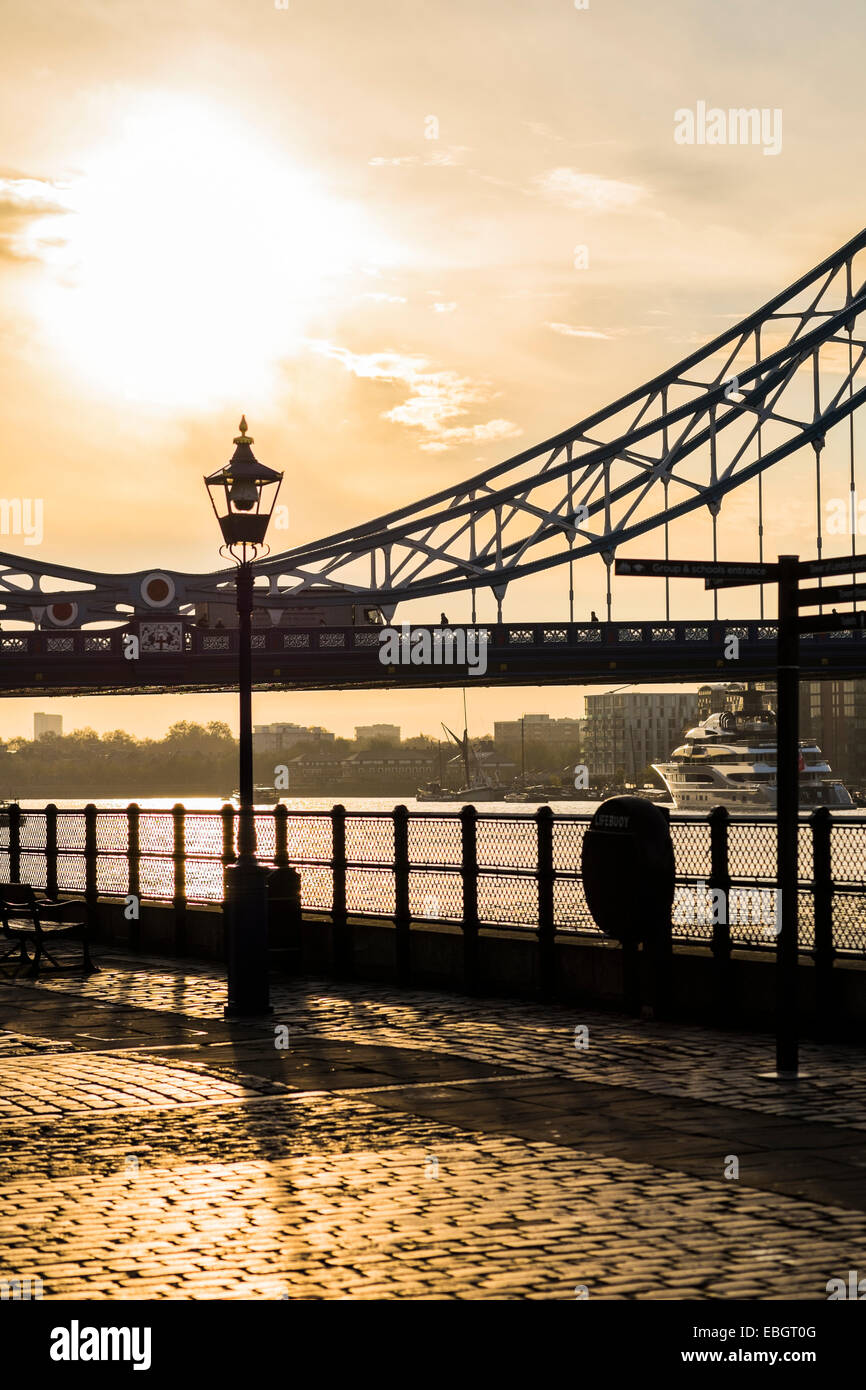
pixel 730 760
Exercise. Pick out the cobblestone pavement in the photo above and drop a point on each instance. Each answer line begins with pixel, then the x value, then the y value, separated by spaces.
pixel 410 1145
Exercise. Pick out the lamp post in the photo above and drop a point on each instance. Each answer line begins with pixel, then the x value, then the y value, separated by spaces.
pixel 243 495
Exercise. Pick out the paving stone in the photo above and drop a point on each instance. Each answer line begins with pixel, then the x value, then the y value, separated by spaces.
pixel 172 1155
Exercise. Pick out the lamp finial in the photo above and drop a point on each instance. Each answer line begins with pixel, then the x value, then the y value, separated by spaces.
pixel 243 437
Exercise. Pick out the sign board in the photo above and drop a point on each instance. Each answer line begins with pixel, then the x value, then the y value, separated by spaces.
pixel 836 622
pixel 833 593
pixel 732 572
pixel 840 564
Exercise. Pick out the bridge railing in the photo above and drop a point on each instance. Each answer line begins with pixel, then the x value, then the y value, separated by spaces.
pixel 515 871
pixel 173 638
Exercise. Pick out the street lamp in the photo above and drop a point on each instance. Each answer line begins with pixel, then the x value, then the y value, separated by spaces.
pixel 243 495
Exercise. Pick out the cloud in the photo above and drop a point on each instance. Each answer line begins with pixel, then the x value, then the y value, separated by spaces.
pixel 448 157
pixel 445 308
pixel 24 202
pixel 396 160
pixel 588 192
pixel 568 331
pixel 542 129
pixel 382 298
pixel 435 397
pixel 473 434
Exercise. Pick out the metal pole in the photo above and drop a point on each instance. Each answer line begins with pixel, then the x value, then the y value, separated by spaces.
pixel 246 880
pixel 246 836
pixel 787 808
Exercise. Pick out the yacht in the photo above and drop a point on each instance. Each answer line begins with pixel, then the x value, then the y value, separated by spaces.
pixel 729 760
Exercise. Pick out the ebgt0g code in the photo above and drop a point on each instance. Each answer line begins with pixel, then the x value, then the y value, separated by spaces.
pixel 722 1334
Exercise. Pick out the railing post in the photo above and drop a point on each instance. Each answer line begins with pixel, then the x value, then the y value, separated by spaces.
pixel 281 836
pixel 133 876
pixel 178 816
pixel 824 952
pixel 51 850
pixel 91 890
pixel 342 936
pixel 15 843
pixel 720 879
pixel 660 956
pixel 402 918
pixel 469 875
pixel 228 856
pixel 546 926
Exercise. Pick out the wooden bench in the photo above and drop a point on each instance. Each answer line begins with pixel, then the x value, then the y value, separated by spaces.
pixel 28 914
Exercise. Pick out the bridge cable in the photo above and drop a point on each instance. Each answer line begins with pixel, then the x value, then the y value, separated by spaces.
pixel 760 477
pixel 715 516
pixel 817 445
pixel 852 481
pixel 667 557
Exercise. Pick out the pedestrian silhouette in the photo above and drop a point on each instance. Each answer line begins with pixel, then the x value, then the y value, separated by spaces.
pixel 593 617
pixel 443 620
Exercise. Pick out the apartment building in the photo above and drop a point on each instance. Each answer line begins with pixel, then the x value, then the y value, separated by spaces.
pixel 624 732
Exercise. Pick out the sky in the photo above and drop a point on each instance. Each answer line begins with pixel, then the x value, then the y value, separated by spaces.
pixel 357 224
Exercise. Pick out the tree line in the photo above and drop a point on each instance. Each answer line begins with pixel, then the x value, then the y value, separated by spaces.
pixel 191 760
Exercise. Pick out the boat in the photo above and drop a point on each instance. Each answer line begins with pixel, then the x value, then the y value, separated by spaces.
pixel 433 791
pixel 533 794
pixel 465 795
pixel 477 787
pixel 263 795
pixel 650 793
pixel 729 759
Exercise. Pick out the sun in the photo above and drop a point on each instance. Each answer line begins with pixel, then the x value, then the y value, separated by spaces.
pixel 190 256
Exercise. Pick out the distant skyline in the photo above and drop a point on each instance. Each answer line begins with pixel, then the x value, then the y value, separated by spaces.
pixel 406 241
pixel 105 714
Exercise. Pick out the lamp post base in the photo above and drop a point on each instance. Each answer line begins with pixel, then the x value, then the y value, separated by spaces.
pixel 246 914
pixel 787 1078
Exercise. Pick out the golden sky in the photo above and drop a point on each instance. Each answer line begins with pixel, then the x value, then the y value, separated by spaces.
pixel 358 225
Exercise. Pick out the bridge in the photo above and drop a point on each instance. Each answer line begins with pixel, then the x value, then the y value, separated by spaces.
pixel 177 657
pixel 777 382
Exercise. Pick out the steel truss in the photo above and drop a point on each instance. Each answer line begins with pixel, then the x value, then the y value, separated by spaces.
pixel 778 380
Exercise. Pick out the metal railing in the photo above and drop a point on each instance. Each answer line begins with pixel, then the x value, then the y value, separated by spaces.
pixel 514 871
pixel 173 637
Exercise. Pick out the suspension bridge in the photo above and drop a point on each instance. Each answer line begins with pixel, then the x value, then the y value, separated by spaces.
pixel 776 383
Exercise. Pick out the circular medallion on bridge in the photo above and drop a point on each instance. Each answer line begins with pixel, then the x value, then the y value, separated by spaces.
pixel 62 614
pixel 157 589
